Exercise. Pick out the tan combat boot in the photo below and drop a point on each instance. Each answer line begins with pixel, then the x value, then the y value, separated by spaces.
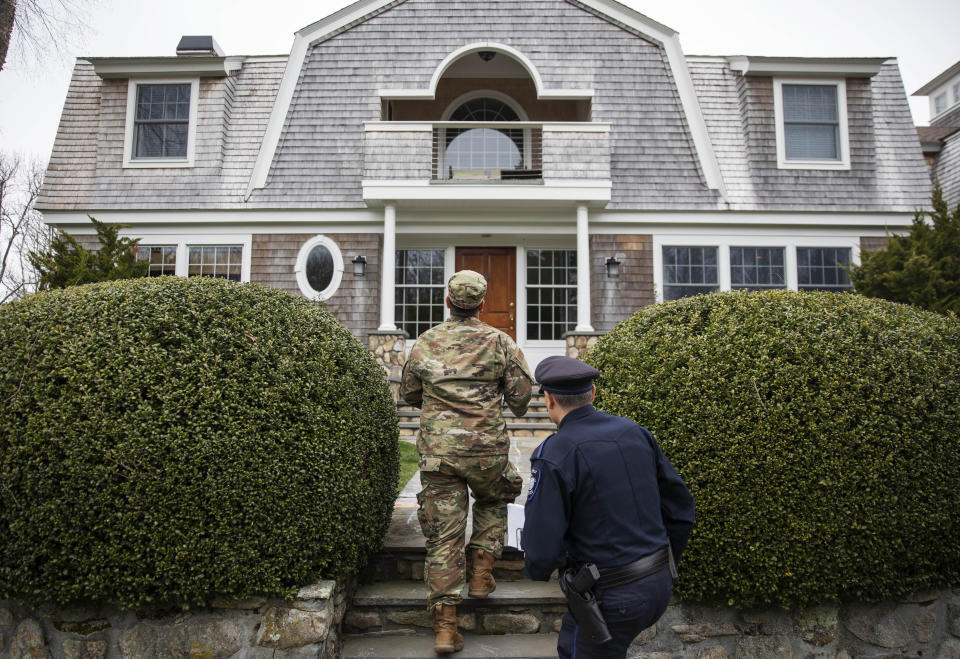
pixel 482 582
pixel 445 627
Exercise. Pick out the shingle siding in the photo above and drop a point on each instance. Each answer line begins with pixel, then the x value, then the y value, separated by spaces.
pixel 86 168
pixel 318 160
pixel 324 153
pixel 356 303
pixel 886 164
pixel 613 300
pixel 946 170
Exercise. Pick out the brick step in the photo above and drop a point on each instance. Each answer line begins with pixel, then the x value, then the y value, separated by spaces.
pixel 515 607
pixel 418 646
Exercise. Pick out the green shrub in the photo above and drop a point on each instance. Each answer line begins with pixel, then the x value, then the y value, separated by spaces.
pixel 818 432
pixel 168 440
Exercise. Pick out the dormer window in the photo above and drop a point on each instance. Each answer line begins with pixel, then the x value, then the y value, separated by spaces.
pixel 161 123
pixel 940 103
pixel 811 124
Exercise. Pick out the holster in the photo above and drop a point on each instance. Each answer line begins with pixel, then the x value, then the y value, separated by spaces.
pixel 577 587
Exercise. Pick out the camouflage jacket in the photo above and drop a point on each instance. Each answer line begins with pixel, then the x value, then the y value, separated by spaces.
pixel 459 371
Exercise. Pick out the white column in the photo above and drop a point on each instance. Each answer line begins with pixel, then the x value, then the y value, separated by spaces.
pixel 583 271
pixel 387 268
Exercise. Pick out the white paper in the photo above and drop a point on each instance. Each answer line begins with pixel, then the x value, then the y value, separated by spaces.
pixel 514 526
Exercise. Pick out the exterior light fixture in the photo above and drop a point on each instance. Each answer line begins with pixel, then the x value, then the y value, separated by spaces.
pixel 487 55
pixel 613 267
pixel 359 266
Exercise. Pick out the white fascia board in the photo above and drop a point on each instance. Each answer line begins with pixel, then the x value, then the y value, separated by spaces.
pixel 691 108
pixel 615 221
pixel 140 67
pixel 681 75
pixel 291 75
pixel 550 191
pixel 853 67
pixel 182 220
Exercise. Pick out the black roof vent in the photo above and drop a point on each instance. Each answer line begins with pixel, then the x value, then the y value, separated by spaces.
pixel 199 46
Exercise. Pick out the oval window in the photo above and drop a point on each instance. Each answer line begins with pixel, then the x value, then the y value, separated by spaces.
pixel 319 268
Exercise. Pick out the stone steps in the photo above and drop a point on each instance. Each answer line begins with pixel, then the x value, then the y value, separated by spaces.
pixel 535 423
pixel 418 646
pixel 517 608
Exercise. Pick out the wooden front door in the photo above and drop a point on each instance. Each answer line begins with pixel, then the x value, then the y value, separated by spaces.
pixel 499 266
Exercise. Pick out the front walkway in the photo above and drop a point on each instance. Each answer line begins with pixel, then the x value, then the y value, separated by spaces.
pixel 405 529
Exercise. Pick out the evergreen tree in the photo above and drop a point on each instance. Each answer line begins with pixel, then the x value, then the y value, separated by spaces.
pixel 920 268
pixel 68 263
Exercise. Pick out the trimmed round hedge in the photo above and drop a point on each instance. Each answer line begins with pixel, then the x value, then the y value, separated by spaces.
pixel 164 441
pixel 818 432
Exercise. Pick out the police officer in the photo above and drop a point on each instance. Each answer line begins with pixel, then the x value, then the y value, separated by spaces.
pixel 459 371
pixel 603 492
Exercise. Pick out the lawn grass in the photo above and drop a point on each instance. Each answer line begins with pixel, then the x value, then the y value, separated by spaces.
pixel 409 463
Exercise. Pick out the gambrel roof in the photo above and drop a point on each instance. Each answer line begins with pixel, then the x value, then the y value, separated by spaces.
pixel 686 133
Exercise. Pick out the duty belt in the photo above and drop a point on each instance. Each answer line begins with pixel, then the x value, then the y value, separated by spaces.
pixel 644 567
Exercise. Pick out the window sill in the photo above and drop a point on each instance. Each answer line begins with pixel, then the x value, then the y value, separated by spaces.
pixel 814 164
pixel 157 163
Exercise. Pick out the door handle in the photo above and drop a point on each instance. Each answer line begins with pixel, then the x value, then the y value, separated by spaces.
pixel 511 305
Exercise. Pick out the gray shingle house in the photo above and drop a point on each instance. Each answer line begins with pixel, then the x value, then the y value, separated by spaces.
pixel 941 139
pixel 566 148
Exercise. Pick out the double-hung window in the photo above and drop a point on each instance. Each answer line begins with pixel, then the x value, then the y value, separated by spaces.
pixel 225 256
pixel 757 268
pixel 161 123
pixel 724 263
pixel 161 259
pixel 551 290
pixel 689 271
pixel 419 290
pixel 811 118
pixel 821 269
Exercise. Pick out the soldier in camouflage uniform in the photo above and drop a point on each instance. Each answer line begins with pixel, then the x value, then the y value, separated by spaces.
pixel 459 371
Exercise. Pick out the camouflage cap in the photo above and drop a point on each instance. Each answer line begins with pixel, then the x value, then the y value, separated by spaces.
pixel 466 289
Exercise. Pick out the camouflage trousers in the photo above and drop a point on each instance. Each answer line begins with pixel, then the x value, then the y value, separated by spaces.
pixel 443 500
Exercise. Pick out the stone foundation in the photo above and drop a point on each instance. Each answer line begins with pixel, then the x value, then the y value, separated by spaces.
pixel 389 348
pixel 255 628
pixel 578 343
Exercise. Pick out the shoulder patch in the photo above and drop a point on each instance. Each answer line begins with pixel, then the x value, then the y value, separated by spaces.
pixel 534 482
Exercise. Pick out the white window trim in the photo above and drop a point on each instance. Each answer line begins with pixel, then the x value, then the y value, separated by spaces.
pixel 936 99
pixel 724 243
pixel 844 140
pixel 184 242
pixel 129 161
pixel 300 269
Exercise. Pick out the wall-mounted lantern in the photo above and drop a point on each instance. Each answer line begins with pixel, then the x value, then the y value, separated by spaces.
pixel 613 267
pixel 359 266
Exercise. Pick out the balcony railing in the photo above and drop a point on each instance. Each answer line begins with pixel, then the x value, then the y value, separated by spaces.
pixel 483 152
pixel 486 152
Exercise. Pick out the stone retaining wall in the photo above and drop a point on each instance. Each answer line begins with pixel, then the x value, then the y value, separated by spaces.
pixel 256 628
pixel 926 625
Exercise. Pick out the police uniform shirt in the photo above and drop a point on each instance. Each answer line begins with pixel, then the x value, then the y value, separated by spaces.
pixel 602 491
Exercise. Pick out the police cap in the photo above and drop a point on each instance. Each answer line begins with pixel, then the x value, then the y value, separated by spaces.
pixel 565 375
pixel 466 289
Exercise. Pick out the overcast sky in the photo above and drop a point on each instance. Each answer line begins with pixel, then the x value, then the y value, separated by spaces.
pixel 923 34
